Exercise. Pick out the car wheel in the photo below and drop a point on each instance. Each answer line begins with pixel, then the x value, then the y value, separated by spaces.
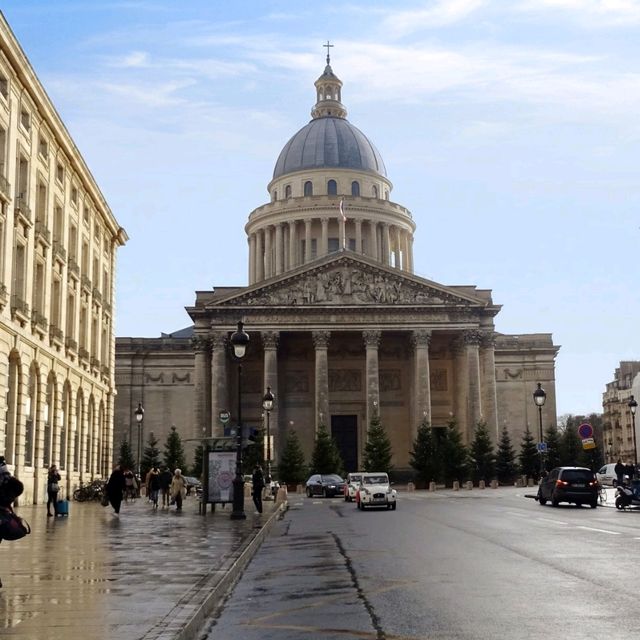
pixel 594 504
pixel 309 493
pixel 619 503
pixel 542 500
pixel 555 502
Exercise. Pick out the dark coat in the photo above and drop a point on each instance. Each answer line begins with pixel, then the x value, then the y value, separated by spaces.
pixel 116 484
pixel 257 480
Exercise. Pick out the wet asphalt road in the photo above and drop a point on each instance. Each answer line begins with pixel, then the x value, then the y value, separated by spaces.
pixel 467 565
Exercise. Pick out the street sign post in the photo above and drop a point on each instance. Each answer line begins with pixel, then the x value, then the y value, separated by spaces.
pixel 585 430
pixel 542 447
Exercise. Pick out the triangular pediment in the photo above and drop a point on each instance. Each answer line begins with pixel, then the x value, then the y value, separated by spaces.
pixel 349 280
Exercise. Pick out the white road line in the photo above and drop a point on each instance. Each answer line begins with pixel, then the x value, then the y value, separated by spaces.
pixel 552 521
pixel 612 533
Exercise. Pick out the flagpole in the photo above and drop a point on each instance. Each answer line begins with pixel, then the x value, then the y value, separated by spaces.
pixel 343 224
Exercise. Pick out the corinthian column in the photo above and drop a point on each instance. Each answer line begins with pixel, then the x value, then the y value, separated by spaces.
pixel 422 379
pixel 201 391
pixel 461 376
pixel 488 373
pixel 279 249
pixel 293 244
pixel 219 389
pixel 472 341
pixel 371 342
pixel 270 345
pixel 321 344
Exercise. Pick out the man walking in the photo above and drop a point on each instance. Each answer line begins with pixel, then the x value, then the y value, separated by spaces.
pixel 257 479
pixel 619 471
pixel 165 484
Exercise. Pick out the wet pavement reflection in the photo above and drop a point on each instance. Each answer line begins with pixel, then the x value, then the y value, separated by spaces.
pixel 139 575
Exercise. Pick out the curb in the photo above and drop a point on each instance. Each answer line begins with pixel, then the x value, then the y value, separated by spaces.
pixel 218 585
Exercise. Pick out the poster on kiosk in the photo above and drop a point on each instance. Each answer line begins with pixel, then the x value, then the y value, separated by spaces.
pixel 222 471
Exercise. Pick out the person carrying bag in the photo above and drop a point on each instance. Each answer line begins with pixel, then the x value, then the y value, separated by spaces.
pixel 53 486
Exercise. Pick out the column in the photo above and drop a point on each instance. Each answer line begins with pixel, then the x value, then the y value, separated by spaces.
pixel 410 253
pixel 358 224
pixel 400 258
pixel 472 340
pixel 71 439
pixel 252 258
pixel 286 236
pixel 270 345
pixel 38 458
pixel 321 344
pixel 371 342
pixel 219 389
pixel 422 379
pixel 386 243
pixel 488 371
pixel 259 256
pixel 83 429
pixel 461 376
pixel 279 249
pixel 324 247
pixel 268 257
pixel 307 240
pixel 373 251
pixel 293 244
pixel 200 345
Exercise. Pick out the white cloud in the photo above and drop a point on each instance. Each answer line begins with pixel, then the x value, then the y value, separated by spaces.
pixel 438 14
pixel 591 13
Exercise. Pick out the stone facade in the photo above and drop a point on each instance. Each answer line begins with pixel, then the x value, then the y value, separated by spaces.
pixel 58 242
pixel 340 326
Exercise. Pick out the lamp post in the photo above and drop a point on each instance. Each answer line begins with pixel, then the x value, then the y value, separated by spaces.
pixel 540 397
pixel 633 406
pixel 267 405
pixel 239 342
pixel 139 413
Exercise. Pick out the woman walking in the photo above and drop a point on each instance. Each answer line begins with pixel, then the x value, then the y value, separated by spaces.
pixel 53 486
pixel 116 487
pixel 178 489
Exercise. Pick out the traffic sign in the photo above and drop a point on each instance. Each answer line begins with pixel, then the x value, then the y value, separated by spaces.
pixel 224 417
pixel 542 447
pixel 585 430
pixel 588 443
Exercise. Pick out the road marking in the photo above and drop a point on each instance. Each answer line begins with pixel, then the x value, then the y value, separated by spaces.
pixel 612 533
pixel 552 521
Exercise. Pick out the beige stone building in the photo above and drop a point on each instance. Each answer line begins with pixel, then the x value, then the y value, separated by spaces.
pixel 340 325
pixel 58 241
pixel 617 421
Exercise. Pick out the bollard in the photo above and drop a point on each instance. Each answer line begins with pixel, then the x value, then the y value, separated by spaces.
pixel 481 484
pixel 494 484
pixel 469 485
pixel 281 496
pixel 411 486
pixel 432 486
pixel 300 488
pixel 530 482
pixel 456 485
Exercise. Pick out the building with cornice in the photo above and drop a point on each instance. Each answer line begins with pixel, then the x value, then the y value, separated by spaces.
pixel 58 242
pixel 341 328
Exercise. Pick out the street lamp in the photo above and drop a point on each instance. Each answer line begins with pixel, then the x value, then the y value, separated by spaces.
pixel 139 413
pixel 239 342
pixel 540 397
pixel 267 405
pixel 633 405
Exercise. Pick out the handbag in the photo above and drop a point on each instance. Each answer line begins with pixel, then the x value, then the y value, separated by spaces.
pixel 105 500
pixel 53 487
pixel 12 526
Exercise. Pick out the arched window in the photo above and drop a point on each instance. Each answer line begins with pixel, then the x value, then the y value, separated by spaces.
pixel 386 194
pixel 355 188
pixel 274 195
pixel 375 191
pixel 287 191
pixel 332 188
pixel 308 188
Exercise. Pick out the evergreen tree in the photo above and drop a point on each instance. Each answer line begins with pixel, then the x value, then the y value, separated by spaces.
pixel 198 462
pixel 174 451
pixel 552 438
pixel 150 456
pixel 570 448
pixel 423 455
pixel 292 469
pixel 482 458
pixel 529 456
pixel 326 457
pixel 377 450
pixel 452 453
pixel 125 459
pixel 506 467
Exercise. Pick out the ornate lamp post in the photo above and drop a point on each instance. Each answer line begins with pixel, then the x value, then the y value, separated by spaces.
pixel 139 413
pixel 239 342
pixel 633 406
pixel 267 405
pixel 540 397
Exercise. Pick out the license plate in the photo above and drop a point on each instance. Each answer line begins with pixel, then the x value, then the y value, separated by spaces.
pixel 578 484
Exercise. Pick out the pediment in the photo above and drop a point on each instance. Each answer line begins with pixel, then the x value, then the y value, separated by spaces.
pixel 349 281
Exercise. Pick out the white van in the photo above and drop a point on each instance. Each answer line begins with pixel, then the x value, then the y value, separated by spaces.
pixel 607 475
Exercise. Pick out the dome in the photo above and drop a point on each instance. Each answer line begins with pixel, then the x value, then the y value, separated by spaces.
pixel 329 142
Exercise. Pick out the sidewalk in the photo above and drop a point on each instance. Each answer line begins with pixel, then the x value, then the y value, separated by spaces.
pixel 142 575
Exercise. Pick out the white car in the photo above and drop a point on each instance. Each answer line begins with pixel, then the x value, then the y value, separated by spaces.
pixel 351 486
pixel 607 475
pixel 375 491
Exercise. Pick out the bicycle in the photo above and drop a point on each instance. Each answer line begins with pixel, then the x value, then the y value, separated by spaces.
pixel 602 495
pixel 92 491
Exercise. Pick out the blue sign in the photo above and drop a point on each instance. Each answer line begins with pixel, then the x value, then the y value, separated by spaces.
pixel 542 447
pixel 585 430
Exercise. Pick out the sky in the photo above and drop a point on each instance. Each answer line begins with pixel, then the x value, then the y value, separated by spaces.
pixel 509 129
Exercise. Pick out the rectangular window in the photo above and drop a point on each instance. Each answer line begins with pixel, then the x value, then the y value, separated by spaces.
pixel 85 214
pixel 19 267
pixel 74 195
pixel 334 245
pixel 3 153
pixel 59 173
pixel 25 119
pixel 41 203
pixel 43 147
pixel 22 179
pixel 38 289
pixel 58 224
pixel 71 310
pixel 4 86
pixel 56 299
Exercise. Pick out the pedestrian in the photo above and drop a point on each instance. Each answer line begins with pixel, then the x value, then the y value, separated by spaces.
pixel 178 489
pixel 153 486
pixel 619 471
pixel 165 486
pixel 10 489
pixel 130 484
pixel 116 487
pixel 630 471
pixel 257 480
pixel 53 486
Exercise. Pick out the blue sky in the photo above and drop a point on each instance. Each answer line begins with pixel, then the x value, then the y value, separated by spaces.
pixel 509 129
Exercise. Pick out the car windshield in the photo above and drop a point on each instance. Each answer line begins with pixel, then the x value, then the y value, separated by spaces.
pixel 331 478
pixel 355 478
pixel 375 480
pixel 577 475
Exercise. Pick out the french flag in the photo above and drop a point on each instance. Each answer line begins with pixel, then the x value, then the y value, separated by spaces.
pixel 344 218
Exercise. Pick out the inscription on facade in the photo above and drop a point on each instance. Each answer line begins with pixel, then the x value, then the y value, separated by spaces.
pixel 390 380
pixel 345 380
pixel 439 380
pixel 296 382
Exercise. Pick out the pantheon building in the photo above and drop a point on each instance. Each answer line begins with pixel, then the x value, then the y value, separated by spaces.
pixel 340 327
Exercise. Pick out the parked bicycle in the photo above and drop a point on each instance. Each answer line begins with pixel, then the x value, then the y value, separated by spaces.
pixel 92 491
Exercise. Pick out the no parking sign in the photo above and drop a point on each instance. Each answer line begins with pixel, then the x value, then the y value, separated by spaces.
pixel 585 431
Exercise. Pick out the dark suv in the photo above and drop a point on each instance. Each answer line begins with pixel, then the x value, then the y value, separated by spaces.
pixel 569 484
